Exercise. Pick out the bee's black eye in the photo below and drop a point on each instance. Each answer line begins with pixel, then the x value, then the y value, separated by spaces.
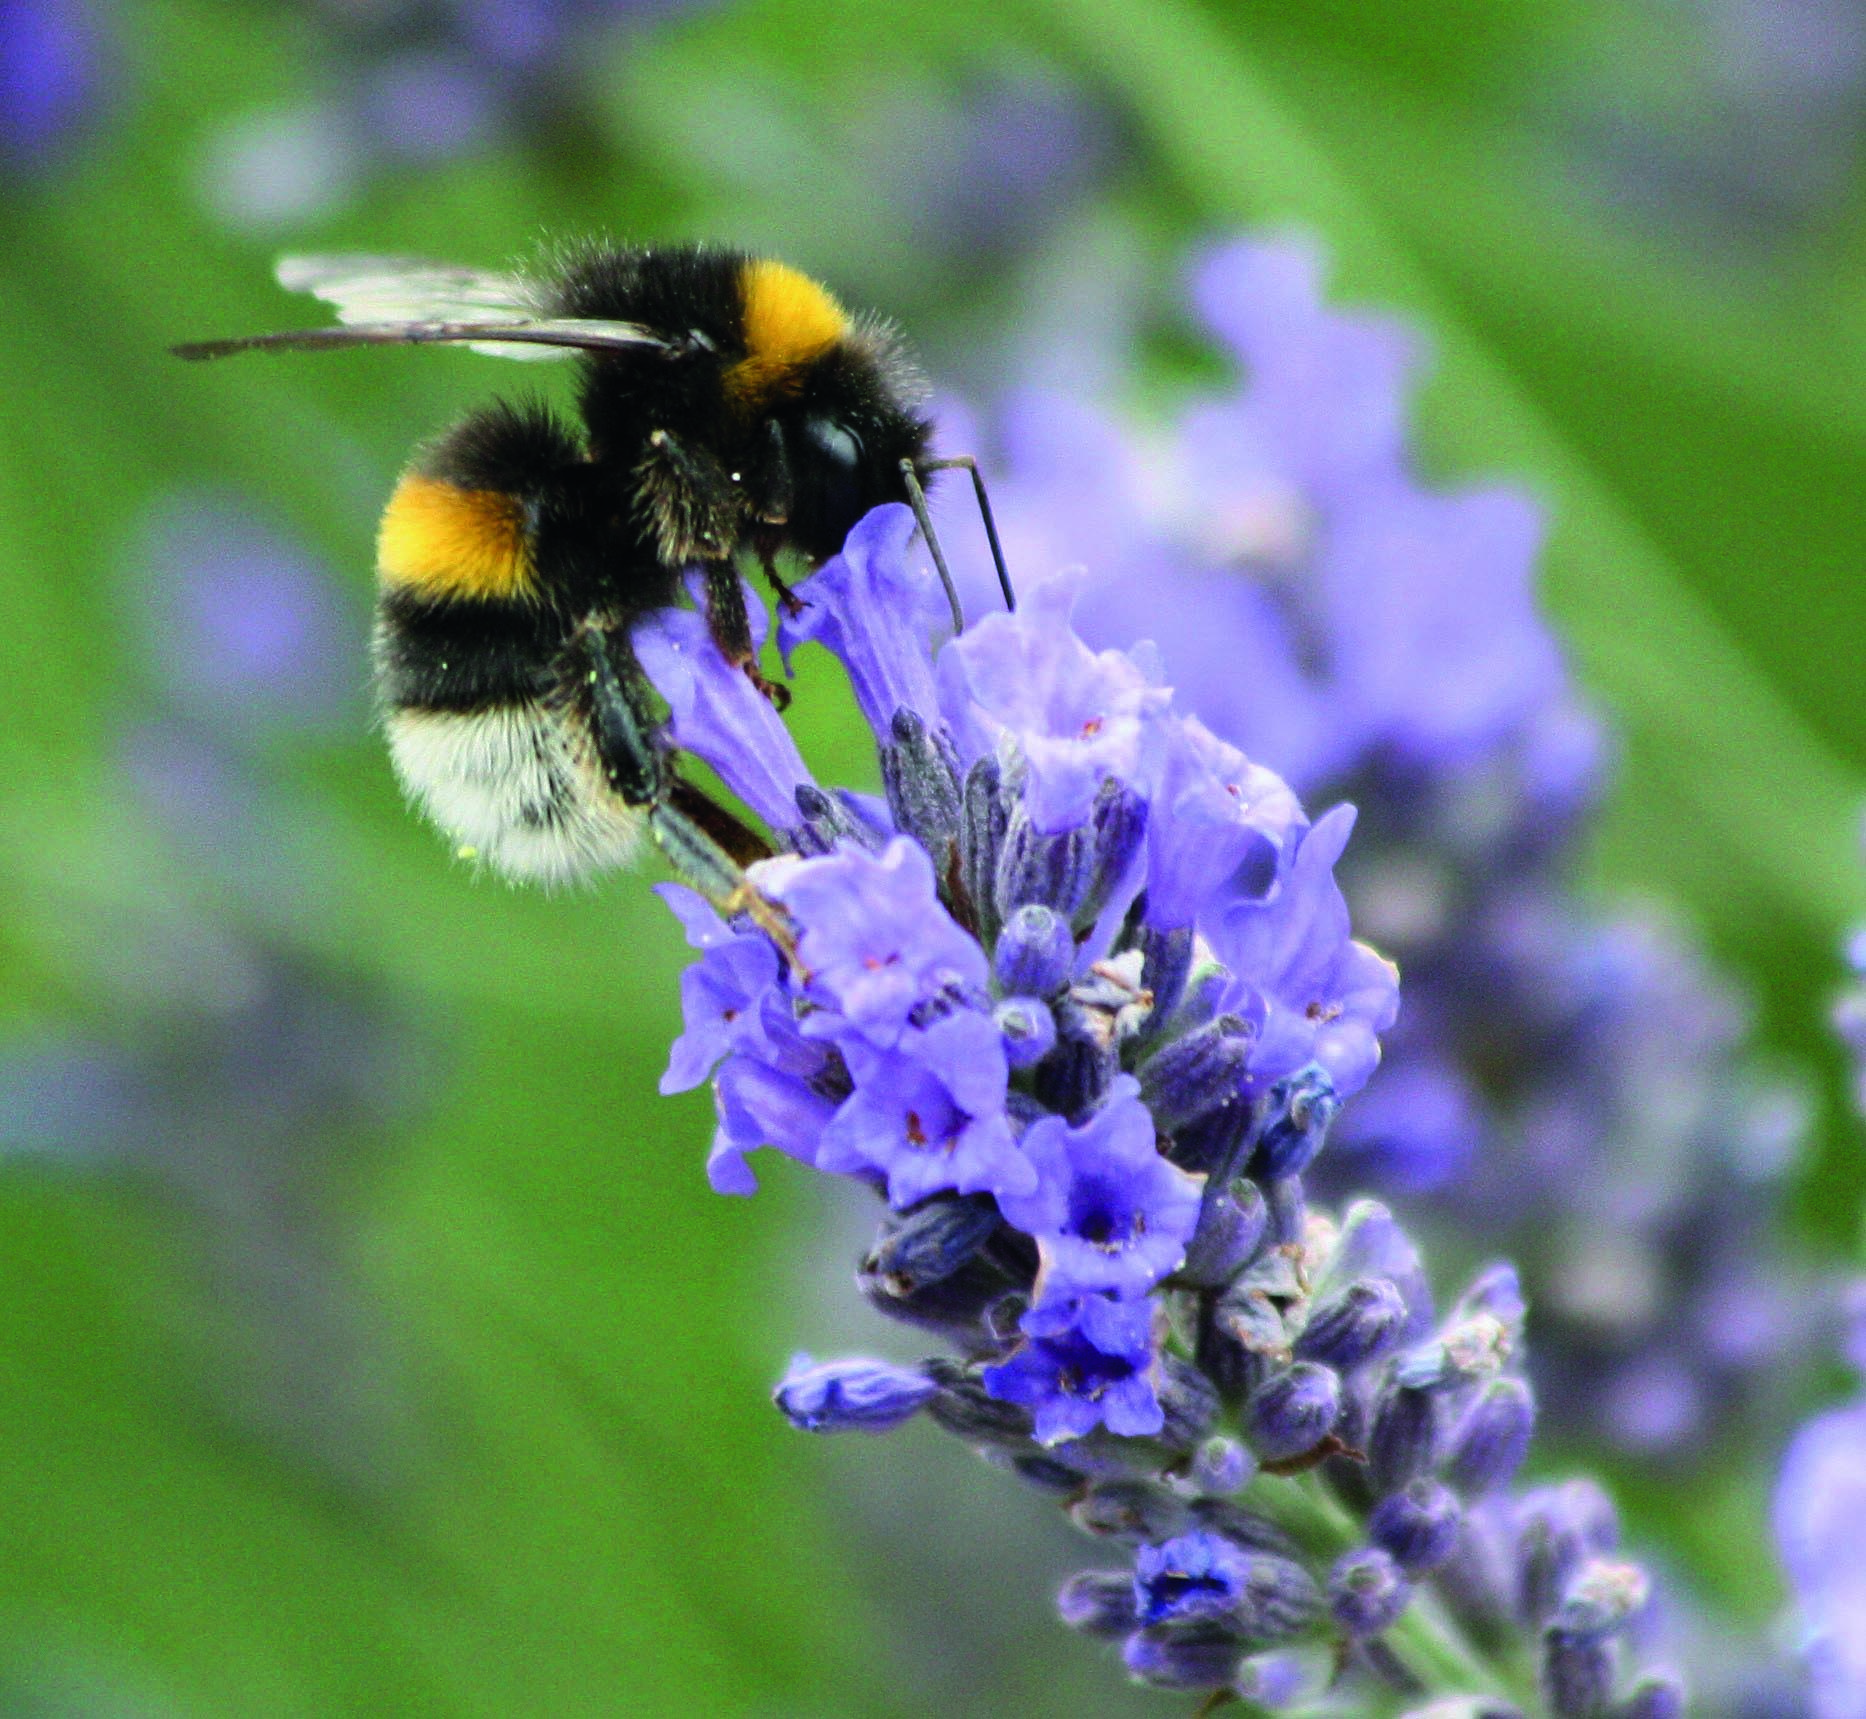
pixel 834 447
pixel 829 474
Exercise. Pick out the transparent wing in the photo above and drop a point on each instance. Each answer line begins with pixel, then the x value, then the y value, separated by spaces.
pixel 555 337
pixel 378 293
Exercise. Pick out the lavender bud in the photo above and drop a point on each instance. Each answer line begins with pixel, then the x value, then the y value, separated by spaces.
pixel 1496 1291
pixel 1577 1676
pixel 1098 1602
pixel 1221 1465
pixel 965 1410
pixel 1561 1528
pixel 1602 1600
pixel 1418 1525
pixel 1243 1526
pixel 1491 1444
pixel 1051 871
pixel 827 821
pixel 1655 1697
pixel 1188 1401
pixel 1300 1110
pixel 1166 964
pixel 930 1243
pixel 1214 1145
pixel 1206 987
pixel 1072 1079
pixel 1293 1411
pixel 1035 955
pixel 1119 822
pixel 919 771
pixel 1235 1368
pixel 1354 1325
pixel 1366 1592
pixel 1280 1600
pixel 1278 1680
pixel 1201 1661
pixel 1462 1354
pixel 1403 1443
pixel 1027 1028
pixel 1131 1511
pixel 975 1306
pixel 1243 1336
pixel 1195 1074
pixel 1232 1221
pixel 983 817
pixel 851 1396
pixel 1048 1474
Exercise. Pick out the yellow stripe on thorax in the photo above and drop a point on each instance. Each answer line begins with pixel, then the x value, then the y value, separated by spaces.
pixel 444 541
pixel 789 321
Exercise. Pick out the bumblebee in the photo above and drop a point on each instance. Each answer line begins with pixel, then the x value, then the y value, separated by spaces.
pixel 726 403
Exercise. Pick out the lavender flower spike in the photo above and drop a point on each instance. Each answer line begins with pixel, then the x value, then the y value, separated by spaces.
pixel 1083 1020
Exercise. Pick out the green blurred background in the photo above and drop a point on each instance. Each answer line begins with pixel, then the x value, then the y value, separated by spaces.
pixel 372 1341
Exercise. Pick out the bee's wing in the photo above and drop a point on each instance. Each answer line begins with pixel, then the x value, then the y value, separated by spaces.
pixel 381 290
pixel 395 301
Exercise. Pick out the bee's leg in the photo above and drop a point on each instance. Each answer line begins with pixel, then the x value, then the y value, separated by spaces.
pixel 731 628
pixel 788 600
pixel 702 841
pixel 694 506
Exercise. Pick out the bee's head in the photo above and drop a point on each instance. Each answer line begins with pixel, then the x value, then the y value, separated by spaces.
pixel 830 404
pixel 844 439
pixel 768 410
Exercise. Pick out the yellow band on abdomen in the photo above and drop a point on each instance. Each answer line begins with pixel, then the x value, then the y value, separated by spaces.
pixel 444 541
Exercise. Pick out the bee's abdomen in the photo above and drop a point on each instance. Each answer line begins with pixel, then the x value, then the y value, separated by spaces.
pixel 515 785
pixel 474 667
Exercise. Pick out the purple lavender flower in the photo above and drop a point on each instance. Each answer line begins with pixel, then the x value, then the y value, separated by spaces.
pixel 716 713
pixel 776 1101
pixel 1087 1364
pixel 929 1115
pixel 1189 1578
pixel 871 606
pixel 1077 717
pixel 721 996
pixel 1107 1217
pixel 1108 1213
pixel 874 939
pixel 1313 994
pixel 1216 818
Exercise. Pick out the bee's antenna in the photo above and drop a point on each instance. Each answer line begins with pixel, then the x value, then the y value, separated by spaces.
pixel 984 509
pixel 917 499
